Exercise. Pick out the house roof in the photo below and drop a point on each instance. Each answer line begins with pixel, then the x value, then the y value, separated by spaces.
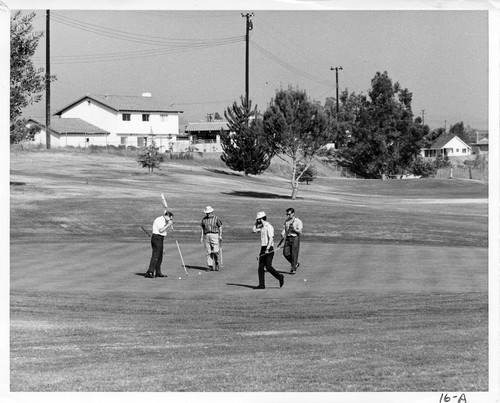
pixel 69 126
pixel 215 126
pixel 444 139
pixel 124 103
pixel 482 142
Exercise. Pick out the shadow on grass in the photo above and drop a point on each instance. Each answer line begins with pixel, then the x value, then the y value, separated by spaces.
pixel 257 195
pixel 220 171
pixel 142 275
pixel 242 285
pixel 196 267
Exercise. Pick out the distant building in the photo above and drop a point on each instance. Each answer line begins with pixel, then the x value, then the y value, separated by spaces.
pixel 480 147
pixel 205 136
pixel 448 144
pixel 127 120
pixel 66 132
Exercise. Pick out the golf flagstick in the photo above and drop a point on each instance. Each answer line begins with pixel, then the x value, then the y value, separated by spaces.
pixel 180 254
pixel 164 201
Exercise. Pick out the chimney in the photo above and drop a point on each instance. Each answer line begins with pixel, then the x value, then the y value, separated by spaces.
pixel 146 94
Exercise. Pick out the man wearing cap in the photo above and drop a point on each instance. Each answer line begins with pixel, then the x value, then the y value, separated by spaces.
pixel 291 234
pixel 266 250
pixel 211 235
pixel 160 226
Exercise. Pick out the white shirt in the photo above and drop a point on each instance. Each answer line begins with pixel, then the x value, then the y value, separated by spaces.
pixel 158 223
pixel 266 233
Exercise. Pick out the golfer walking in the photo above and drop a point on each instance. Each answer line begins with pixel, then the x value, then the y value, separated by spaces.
pixel 211 236
pixel 291 234
pixel 160 226
pixel 266 250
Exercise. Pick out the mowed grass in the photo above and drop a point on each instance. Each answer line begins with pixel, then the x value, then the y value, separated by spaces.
pixel 395 297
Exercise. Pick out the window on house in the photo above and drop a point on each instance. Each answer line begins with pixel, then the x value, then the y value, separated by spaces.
pixel 145 117
pixel 163 118
pixel 126 117
pixel 464 151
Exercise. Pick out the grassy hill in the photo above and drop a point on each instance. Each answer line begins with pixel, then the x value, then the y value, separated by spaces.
pixel 64 195
pixel 391 294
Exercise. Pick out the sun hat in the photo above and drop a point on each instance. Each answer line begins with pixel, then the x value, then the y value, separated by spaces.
pixel 260 214
pixel 208 209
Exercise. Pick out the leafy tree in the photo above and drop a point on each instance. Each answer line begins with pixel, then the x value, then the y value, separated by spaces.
pixel 466 134
pixel 19 132
pixel 150 157
pixel 26 82
pixel 244 145
pixel 307 174
pixel 433 135
pixel 383 138
pixel 297 129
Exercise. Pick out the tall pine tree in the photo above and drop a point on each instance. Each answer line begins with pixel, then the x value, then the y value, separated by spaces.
pixel 244 146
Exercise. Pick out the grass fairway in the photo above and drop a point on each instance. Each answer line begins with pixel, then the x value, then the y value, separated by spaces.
pixel 395 297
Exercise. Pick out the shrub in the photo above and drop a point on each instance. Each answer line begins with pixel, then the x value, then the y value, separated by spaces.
pixel 423 168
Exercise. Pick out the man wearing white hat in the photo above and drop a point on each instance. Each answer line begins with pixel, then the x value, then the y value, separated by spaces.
pixel 211 235
pixel 266 250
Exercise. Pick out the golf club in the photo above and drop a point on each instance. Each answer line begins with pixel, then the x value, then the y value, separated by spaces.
pixel 267 253
pixel 146 231
pixel 221 264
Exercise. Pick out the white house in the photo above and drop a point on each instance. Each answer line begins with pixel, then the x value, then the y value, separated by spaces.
pixel 129 120
pixel 68 132
pixel 447 145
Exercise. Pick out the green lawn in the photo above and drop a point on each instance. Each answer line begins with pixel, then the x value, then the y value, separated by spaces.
pixel 391 294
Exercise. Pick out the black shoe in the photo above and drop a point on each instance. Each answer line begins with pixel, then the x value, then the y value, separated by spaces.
pixel 282 280
pixel 292 271
pixel 161 275
pixel 260 287
pixel 149 275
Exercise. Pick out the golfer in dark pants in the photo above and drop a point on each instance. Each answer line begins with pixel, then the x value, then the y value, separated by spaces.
pixel 291 234
pixel 266 250
pixel 160 226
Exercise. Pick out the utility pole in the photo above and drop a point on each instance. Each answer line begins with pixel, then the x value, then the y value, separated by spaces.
pixel 47 79
pixel 249 27
pixel 337 86
pixel 423 117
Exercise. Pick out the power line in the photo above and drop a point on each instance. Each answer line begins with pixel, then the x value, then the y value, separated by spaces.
pixel 141 38
pixel 289 67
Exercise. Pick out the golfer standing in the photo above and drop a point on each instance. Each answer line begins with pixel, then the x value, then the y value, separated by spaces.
pixel 291 234
pixel 211 236
pixel 266 250
pixel 160 226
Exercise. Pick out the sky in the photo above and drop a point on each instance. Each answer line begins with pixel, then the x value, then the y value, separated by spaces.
pixel 194 60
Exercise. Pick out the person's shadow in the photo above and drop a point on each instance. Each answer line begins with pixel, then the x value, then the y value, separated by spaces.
pixel 242 285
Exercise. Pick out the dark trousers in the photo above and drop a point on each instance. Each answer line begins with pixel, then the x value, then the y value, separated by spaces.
pixel 291 250
pixel 266 262
pixel 157 254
